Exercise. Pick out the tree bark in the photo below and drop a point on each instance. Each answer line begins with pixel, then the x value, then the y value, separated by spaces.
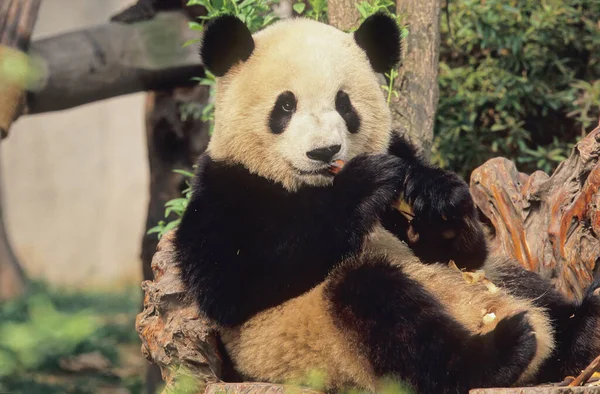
pixel 343 14
pixel 413 111
pixel 112 60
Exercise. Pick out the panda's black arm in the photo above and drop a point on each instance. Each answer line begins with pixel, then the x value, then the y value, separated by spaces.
pixel 245 244
pixel 442 205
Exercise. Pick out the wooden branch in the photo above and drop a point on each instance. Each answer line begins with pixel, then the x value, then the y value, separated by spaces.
pixel 551 225
pixel 587 373
pixel 112 60
pixel 413 111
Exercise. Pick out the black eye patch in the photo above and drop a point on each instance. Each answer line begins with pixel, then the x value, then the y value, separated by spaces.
pixel 282 112
pixel 344 107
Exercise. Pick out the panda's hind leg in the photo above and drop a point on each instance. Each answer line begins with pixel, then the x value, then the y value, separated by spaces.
pixel 577 324
pixel 406 332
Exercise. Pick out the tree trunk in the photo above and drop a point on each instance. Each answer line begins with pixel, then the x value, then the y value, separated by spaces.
pixel 12 277
pixel 413 111
pixel 173 143
pixel 17 18
pixel 343 14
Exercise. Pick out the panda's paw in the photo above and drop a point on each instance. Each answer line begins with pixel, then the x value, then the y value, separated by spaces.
pixel 515 346
pixel 515 339
pixel 445 216
pixel 373 181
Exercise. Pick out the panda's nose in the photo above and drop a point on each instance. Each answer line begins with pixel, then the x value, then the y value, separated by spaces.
pixel 324 154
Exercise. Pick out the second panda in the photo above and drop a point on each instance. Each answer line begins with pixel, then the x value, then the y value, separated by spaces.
pixel 305 271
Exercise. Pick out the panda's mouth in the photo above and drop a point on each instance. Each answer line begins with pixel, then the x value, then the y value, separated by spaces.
pixel 321 171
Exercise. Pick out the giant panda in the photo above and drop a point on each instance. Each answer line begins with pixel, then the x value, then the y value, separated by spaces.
pixel 303 270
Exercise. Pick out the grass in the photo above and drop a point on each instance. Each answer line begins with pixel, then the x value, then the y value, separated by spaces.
pixel 57 341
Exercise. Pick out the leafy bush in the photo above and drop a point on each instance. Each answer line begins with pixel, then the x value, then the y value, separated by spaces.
pixel 46 326
pixel 516 81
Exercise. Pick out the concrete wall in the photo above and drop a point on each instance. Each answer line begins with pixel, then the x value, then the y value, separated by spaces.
pixel 75 182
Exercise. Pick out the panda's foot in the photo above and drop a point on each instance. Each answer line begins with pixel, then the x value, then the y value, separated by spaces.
pixel 500 357
pixel 577 337
pixel 445 225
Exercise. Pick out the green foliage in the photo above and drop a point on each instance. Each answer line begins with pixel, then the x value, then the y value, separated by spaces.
pixel 515 81
pixel 46 325
pixel 174 207
pixel 316 11
pixel 254 13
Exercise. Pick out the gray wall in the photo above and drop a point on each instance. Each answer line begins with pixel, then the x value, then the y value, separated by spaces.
pixel 75 182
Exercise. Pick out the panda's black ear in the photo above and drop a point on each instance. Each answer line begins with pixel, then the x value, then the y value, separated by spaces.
pixel 226 41
pixel 379 36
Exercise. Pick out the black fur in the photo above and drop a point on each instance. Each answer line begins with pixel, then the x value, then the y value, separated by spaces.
pixel 282 112
pixel 577 324
pixel 441 202
pixel 225 42
pixel 347 111
pixel 379 36
pixel 410 336
pixel 246 244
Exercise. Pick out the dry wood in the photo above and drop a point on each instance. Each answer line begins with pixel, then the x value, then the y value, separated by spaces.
pixel 174 335
pixel 550 224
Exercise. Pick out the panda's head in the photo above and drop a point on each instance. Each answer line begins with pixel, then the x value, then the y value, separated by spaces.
pixel 299 94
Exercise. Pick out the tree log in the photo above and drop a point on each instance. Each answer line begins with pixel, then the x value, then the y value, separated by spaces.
pixel 550 224
pixel 112 60
pixel 413 111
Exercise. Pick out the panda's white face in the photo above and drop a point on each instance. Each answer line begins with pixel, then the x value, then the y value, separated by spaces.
pixel 306 96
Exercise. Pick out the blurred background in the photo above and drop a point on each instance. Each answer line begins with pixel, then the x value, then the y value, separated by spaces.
pixel 81 187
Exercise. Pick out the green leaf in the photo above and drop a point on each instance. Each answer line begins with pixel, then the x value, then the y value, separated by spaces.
pixel 184 173
pixel 190 42
pixel 299 7
pixel 195 26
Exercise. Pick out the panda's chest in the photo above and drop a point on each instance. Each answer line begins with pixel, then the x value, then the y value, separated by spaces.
pixel 294 226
